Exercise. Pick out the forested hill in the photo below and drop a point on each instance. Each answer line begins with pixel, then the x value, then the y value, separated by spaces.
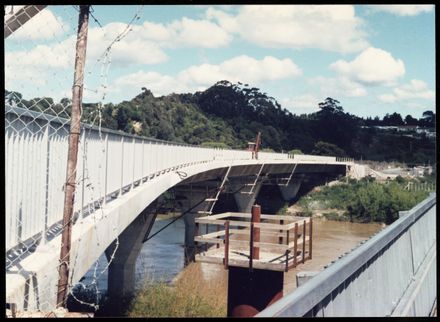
pixel 230 115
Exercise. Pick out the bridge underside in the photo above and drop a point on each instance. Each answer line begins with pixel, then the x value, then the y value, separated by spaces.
pixel 32 284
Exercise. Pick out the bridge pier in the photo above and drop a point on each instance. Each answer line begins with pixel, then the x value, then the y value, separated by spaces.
pixel 289 192
pixel 122 258
pixel 188 199
pixel 245 200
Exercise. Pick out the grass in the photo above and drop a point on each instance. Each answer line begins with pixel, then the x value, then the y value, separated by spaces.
pixel 190 296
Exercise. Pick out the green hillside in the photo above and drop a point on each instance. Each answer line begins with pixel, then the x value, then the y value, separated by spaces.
pixel 230 115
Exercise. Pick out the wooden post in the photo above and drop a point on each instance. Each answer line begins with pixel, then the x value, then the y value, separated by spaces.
pixel 295 245
pixel 287 251
pixel 280 239
pixel 226 259
pixel 256 215
pixel 310 238
pixel 304 242
pixel 69 188
pixel 196 233
pixel 218 229
pixel 251 246
pixel 206 232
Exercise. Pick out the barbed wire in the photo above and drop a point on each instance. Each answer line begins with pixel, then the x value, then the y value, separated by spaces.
pixel 105 61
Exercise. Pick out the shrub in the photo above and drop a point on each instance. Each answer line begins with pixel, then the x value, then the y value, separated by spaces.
pixel 190 296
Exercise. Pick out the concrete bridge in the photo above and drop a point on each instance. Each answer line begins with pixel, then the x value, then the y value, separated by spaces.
pixel 120 177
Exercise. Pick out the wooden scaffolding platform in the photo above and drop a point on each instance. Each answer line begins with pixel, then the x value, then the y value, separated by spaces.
pixel 277 242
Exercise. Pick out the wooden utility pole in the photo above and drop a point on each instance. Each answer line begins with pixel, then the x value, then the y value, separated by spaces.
pixel 69 188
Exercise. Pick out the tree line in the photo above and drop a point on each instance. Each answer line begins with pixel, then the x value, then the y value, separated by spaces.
pixel 230 115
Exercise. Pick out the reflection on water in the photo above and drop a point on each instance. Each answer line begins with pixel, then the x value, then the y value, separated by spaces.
pixel 161 258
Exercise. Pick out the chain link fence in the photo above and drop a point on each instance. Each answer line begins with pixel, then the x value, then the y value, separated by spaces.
pixel 39 65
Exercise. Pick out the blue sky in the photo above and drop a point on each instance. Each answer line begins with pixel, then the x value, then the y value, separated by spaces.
pixel 373 59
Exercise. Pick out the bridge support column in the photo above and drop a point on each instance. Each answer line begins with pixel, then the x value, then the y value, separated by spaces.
pixel 289 192
pixel 190 198
pixel 122 258
pixel 245 200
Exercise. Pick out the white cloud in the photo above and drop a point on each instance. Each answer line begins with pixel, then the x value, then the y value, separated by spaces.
pixel 415 89
pixel 185 32
pixel 198 33
pixel 44 25
pixel 302 104
pixel 329 27
pixel 199 77
pixel 242 68
pixel 130 50
pixel 42 66
pixel 130 85
pixel 403 9
pixel 373 66
pixel 340 86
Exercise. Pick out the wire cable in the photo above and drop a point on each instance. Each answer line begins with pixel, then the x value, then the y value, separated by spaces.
pixel 183 214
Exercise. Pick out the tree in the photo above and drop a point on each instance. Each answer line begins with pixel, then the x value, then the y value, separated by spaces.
pixel 394 119
pixel 409 120
pixel 330 106
pixel 428 119
pixel 328 149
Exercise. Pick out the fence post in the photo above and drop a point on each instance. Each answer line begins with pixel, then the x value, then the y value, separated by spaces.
pixel 83 173
pixel 310 237
pixel 122 166
pixel 134 162
pixel 106 169
pixel 81 45
pixel 304 242
pixel 226 241
pixel 295 245
pixel 256 214
pixel 142 163
pixel 46 204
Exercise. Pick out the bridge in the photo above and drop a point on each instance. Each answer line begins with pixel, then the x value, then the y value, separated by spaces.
pixel 120 178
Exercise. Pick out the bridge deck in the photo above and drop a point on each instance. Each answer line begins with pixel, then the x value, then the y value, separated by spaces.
pixel 280 237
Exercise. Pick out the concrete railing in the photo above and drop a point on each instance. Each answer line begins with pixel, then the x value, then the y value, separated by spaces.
pixel 391 274
pixel 317 158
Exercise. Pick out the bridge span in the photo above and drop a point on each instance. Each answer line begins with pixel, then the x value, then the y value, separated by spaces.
pixel 120 178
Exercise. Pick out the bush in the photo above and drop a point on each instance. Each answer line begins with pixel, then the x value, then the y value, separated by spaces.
pixel 295 151
pixel 190 296
pixel 365 200
pixel 335 216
